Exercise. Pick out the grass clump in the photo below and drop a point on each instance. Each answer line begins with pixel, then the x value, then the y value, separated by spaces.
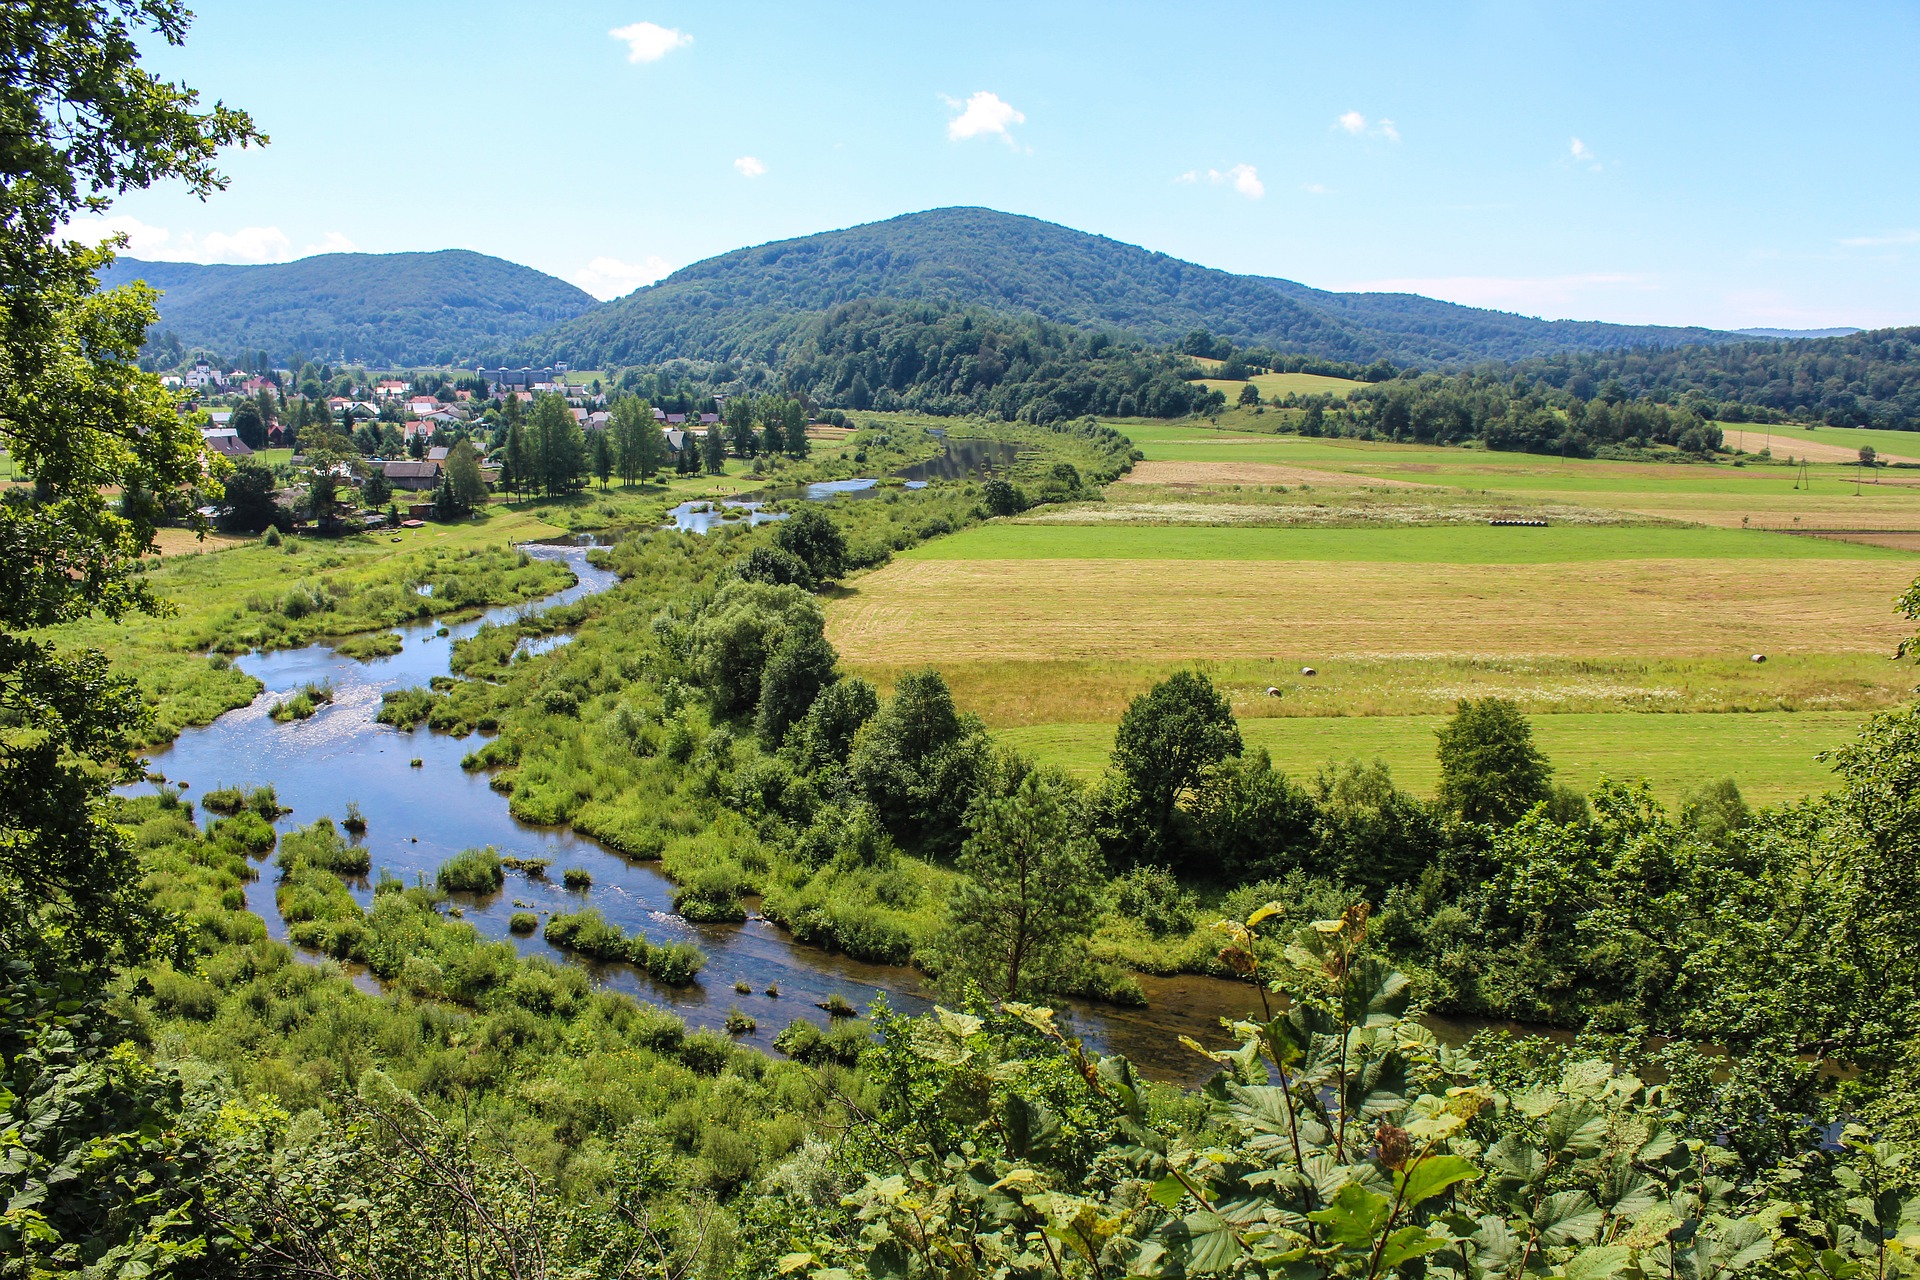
pixel 302 705
pixel 841 1044
pixel 378 644
pixel 320 846
pixel 590 934
pixel 577 878
pixel 531 868
pixel 262 801
pixel 523 922
pixel 404 708
pixel 740 1023
pixel 471 871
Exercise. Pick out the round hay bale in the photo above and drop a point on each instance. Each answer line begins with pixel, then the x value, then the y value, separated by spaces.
pixel 1272 692
pixel 1758 657
pixel 1308 671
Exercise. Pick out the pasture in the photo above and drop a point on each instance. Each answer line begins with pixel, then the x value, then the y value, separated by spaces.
pixel 1253 555
pixel 1274 386
pixel 1771 755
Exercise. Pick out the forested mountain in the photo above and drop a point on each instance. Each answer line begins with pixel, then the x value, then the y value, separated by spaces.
pixel 1863 379
pixel 740 304
pixel 948 360
pixel 393 308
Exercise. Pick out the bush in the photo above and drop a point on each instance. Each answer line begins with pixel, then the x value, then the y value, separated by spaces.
pixel 740 1023
pixel 471 871
pixel 1153 897
pixel 711 894
pixel 523 922
pixel 706 1052
pixel 676 963
pixel 806 1043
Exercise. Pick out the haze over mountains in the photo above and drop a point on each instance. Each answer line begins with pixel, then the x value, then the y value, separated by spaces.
pixel 457 306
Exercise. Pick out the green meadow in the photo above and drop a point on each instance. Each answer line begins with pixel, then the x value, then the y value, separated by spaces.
pixel 1771 754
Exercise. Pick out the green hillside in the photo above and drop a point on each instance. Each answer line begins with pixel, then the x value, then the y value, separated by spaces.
pixel 745 303
pixel 382 309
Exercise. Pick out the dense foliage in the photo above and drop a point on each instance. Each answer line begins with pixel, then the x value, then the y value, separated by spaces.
pixel 1860 380
pixel 453 306
pixel 747 304
pixel 1507 412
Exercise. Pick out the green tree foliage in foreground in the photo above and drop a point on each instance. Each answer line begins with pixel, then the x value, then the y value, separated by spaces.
pixel 80 122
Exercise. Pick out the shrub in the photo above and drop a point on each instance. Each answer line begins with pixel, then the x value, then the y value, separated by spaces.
pixel 246 832
pixel 806 1043
pixel 740 1023
pixel 1153 897
pixel 471 871
pixel 676 963
pixel 355 822
pixel 711 894
pixel 660 1030
pixel 523 922
pixel 706 1052
pixel 322 846
pixel 838 1006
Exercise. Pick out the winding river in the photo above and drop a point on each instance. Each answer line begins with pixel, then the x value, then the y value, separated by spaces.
pixel 420 815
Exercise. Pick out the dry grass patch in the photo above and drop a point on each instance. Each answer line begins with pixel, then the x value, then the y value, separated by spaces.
pixel 184 542
pixel 1238 472
pixel 1311 611
pixel 1784 443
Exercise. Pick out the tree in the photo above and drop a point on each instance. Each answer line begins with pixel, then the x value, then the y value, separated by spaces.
pixel 713 449
pixel 249 495
pixel 376 490
pixel 811 534
pixel 799 669
pixel 639 446
pixel 773 439
pixel 1168 738
pixel 740 414
pixel 466 485
pixel 918 762
pixel 600 450
pixel 795 416
pixel 1019 920
pixel 563 450
pixel 1249 396
pixel 1002 498
pixel 80 123
pixel 249 425
pixel 1490 771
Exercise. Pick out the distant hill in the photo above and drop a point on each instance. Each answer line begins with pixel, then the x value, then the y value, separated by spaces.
pixel 746 303
pixel 382 309
pixel 1841 332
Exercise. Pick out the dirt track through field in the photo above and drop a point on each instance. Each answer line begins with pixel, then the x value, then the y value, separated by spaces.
pixel 1224 473
pixel 1035 610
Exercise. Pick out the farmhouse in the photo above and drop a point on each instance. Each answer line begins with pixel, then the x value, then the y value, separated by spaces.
pixel 411 475
pixel 226 442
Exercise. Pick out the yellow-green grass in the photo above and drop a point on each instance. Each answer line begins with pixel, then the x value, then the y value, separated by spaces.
pixel 1309 612
pixel 1450 544
pixel 1006 693
pixel 1273 386
pixel 1785 438
pixel 1770 754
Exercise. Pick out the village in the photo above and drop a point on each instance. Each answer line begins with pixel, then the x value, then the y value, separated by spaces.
pixel 394 438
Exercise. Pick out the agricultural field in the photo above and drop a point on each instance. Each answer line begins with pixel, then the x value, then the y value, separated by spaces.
pixel 1273 386
pixel 1628 626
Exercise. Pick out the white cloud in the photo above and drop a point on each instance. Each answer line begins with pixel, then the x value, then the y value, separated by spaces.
pixel 983 113
pixel 1244 178
pixel 1317 189
pixel 1583 154
pixel 610 278
pixel 142 240
pixel 749 166
pixel 649 41
pixel 1883 241
pixel 332 242
pixel 1358 125
pixel 248 244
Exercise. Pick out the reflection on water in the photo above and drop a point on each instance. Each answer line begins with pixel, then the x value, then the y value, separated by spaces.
pixel 704 515
pixel 959 459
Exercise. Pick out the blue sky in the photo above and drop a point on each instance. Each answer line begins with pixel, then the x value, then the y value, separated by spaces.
pixel 1726 164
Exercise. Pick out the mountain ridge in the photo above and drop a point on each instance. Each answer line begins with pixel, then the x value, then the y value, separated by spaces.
pixel 438 307
pixel 723 306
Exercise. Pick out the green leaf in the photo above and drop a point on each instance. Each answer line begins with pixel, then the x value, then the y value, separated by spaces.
pixel 1598 1264
pixel 1430 1177
pixel 1407 1244
pixel 1204 1242
pixel 1167 1192
pixel 1567 1217
pixel 1355 1216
